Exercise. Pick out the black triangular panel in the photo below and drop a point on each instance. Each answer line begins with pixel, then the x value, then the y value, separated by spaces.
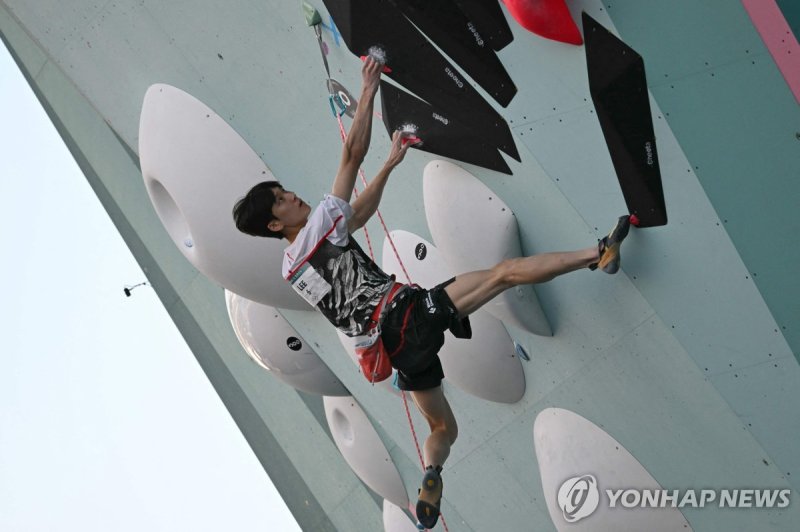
pixel 417 65
pixel 441 134
pixel 460 38
pixel 619 91
pixel 492 23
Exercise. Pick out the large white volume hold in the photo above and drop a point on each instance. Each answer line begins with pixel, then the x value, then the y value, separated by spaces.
pixel 363 449
pixel 275 345
pixel 485 365
pixel 475 229
pixel 396 520
pixel 195 168
pixel 578 462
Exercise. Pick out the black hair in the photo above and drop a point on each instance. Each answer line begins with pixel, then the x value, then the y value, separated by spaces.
pixel 253 212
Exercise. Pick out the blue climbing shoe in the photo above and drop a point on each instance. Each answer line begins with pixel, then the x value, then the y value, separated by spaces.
pixel 430 497
pixel 609 246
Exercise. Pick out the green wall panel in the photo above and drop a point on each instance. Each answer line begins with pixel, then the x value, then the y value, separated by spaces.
pixel 737 121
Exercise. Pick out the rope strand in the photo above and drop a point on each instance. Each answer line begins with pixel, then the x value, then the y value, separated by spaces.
pixel 343 135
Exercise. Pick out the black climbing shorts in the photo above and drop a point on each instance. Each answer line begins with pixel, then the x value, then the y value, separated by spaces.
pixel 413 333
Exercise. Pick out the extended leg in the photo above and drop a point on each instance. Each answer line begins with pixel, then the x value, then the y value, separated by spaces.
pixel 472 290
pixel 434 407
pixel 436 449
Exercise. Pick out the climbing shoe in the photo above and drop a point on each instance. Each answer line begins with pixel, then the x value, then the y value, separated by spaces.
pixel 609 246
pixel 430 497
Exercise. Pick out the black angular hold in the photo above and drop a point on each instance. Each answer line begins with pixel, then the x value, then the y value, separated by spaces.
pixel 417 65
pixel 460 38
pixel 618 86
pixel 491 21
pixel 441 133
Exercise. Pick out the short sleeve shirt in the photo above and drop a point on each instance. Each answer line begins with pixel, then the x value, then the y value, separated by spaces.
pixel 356 284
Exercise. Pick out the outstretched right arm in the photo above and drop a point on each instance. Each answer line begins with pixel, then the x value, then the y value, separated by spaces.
pixel 357 143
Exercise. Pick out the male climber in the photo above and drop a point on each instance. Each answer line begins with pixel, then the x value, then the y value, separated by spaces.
pixel 340 280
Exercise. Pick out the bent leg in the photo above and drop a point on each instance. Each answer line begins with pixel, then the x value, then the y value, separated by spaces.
pixel 472 290
pixel 434 407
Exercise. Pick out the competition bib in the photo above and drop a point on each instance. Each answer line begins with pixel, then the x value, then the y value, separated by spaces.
pixel 310 285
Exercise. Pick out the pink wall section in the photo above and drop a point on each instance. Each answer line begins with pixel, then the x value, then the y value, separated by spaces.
pixel 777 35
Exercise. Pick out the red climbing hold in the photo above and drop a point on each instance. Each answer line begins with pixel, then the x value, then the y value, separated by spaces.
pixel 549 18
pixel 634 220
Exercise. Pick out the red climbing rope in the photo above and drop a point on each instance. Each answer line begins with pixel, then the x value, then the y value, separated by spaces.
pixel 343 135
pixel 413 432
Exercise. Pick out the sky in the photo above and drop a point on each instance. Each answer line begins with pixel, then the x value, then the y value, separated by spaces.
pixel 107 422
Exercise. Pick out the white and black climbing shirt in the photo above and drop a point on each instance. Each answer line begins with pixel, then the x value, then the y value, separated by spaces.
pixel 330 270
